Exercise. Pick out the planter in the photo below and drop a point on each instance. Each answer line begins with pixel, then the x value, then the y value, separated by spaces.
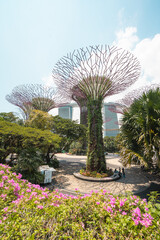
pixel 92 179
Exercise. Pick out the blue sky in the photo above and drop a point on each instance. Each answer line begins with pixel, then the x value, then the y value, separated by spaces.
pixel 34 34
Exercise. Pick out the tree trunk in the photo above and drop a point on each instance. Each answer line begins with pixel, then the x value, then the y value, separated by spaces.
pixel 83 115
pixel 95 155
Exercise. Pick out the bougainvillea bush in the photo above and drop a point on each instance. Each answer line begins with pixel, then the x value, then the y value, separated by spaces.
pixel 28 211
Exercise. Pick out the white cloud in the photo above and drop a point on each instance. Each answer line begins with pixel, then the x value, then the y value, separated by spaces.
pixel 148 53
pixel 127 38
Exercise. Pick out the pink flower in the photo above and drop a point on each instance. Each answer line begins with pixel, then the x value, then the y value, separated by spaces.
pixel 0 221
pixel 137 211
pixel 146 209
pixel 5 209
pixel 76 189
pixel 19 176
pixel 11 181
pixel 124 213
pixel 2 172
pixel 3 196
pixel 109 209
pixel 16 201
pixel 55 204
pixel 146 222
pixel 17 187
pixel 121 203
pixel 1 184
pixel 28 190
pixel 40 206
pixel 136 221
pixel 97 203
pixel 5 177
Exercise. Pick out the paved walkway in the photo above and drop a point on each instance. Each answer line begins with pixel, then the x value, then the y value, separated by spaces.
pixel 135 180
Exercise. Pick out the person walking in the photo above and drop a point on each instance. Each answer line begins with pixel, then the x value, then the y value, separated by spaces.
pixel 123 173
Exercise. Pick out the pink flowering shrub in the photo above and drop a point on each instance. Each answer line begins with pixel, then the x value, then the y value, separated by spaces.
pixel 28 211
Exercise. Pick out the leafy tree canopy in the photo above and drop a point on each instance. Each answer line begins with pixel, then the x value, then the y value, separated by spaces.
pixel 14 138
pixel 10 117
pixel 110 144
pixel 39 119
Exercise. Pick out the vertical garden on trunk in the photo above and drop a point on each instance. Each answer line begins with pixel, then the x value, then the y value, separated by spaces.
pixel 92 74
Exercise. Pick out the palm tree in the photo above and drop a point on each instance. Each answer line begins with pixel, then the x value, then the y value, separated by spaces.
pixel 141 129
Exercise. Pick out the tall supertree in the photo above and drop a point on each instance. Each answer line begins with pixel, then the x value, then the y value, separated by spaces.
pixel 33 96
pixel 94 73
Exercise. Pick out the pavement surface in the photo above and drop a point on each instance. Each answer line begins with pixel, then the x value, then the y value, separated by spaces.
pixel 135 180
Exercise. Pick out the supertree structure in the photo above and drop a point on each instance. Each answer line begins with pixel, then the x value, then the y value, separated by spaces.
pixel 94 73
pixel 33 96
pixel 123 104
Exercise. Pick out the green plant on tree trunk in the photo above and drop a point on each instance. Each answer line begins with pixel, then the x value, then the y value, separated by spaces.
pixel 95 154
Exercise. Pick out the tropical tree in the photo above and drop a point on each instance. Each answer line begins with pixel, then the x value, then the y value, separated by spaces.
pixel 141 130
pixel 15 138
pixel 110 144
pixel 11 117
pixel 93 74
pixel 69 130
pixel 40 119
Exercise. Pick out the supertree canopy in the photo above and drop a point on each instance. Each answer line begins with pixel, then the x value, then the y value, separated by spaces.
pixel 33 96
pixel 89 75
pixel 123 104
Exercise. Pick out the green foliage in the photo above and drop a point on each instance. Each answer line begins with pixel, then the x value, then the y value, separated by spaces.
pixel 77 148
pixel 69 130
pixel 95 154
pixel 39 119
pixel 110 144
pixel 140 130
pixel 14 138
pixel 53 162
pixel 10 117
pixel 95 174
pixel 27 164
pixel 29 212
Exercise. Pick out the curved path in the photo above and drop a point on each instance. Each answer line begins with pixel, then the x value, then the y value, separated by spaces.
pixel 135 180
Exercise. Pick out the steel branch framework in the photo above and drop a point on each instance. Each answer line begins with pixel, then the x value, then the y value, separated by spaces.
pixel 96 71
pixel 123 104
pixel 33 96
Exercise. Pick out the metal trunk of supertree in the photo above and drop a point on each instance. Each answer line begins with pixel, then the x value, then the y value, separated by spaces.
pixel 92 74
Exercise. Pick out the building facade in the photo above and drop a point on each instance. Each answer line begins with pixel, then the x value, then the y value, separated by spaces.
pixel 110 117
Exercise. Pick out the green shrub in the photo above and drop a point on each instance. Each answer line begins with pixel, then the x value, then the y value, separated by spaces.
pixel 77 148
pixel 110 144
pixel 108 173
pixel 28 211
pixel 54 162
pixel 27 164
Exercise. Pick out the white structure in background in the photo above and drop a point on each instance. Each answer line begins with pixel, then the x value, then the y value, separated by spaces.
pixel 111 120
pixel 47 172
